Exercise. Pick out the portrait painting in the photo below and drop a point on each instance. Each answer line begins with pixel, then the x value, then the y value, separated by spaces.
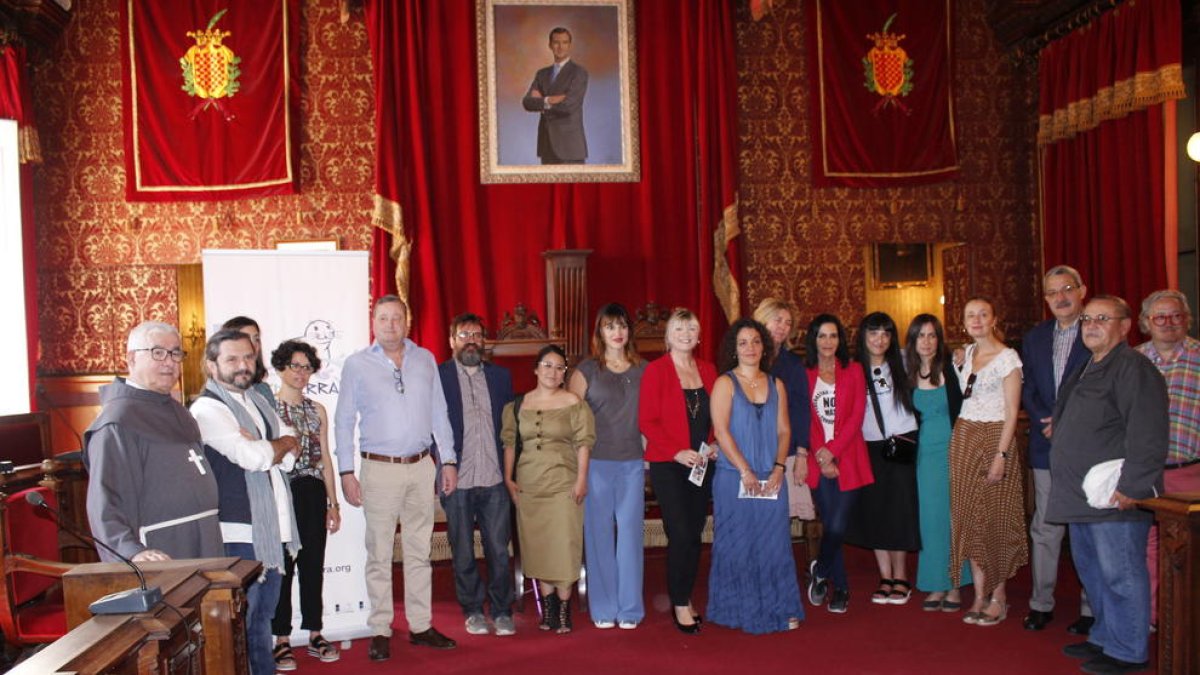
pixel 557 91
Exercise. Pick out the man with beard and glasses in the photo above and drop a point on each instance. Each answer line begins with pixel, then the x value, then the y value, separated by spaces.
pixel 249 448
pixel 1050 352
pixel 476 393
pixel 392 394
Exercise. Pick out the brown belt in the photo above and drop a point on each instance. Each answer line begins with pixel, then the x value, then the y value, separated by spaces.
pixel 411 459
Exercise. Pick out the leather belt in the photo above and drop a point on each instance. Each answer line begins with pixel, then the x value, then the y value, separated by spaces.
pixel 1181 465
pixel 411 459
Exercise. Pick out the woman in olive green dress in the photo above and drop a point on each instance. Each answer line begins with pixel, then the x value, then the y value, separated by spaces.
pixel 549 483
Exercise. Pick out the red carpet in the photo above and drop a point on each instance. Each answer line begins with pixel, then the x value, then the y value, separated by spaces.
pixel 868 639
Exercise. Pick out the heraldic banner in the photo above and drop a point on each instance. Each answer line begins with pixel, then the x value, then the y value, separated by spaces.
pixel 211 95
pixel 883 109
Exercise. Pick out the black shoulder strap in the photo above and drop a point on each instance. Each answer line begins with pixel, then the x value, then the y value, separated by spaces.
pixel 875 407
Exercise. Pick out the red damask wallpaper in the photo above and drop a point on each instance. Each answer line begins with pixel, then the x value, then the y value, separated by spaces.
pixel 805 244
pixel 104 264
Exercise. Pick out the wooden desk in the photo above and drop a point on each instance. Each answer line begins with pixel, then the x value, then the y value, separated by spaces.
pixel 1178 517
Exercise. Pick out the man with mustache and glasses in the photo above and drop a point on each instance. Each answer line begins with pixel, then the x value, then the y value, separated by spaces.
pixel 1114 408
pixel 249 448
pixel 476 392
pixel 392 394
pixel 1167 318
pixel 142 440
pixel 1050 352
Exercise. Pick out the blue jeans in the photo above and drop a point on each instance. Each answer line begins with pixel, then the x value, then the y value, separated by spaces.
pixel 261 599
pixel 834 507
pixel 613 516
pixel 1110 557
pixel 490 508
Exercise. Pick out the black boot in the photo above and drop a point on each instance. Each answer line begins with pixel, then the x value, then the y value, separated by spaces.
pixel 550 611
pixel 564 616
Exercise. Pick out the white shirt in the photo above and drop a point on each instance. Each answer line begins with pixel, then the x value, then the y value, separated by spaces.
pixel 896 419
pixel 986 403
pixel 825 404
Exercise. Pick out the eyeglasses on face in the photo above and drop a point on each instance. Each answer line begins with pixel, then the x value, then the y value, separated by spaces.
pixel 553 366
pixel 1102 319
pixel 1175 319
pixel 970 386
pixel 469 335
pixel 1055 292
pixel 399 380
pixel 161 354
pixel 299 367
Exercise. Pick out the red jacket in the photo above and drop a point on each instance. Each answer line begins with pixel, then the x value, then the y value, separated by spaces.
pixel 847 444
pixel 662 410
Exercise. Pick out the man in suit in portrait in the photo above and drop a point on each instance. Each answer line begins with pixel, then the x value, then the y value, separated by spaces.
pixel 557 96
pixel 476 393
pixel 1050 351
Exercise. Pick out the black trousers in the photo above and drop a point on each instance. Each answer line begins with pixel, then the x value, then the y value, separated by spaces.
pixel 308 501
pixel 684 509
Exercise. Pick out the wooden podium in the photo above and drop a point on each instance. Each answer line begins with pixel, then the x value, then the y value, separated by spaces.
pixel 199 626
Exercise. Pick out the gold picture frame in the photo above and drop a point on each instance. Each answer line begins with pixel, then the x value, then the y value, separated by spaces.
pixel 594 127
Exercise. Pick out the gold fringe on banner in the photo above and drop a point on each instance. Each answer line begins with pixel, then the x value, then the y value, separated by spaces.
pixel 1129 95
pixel 388 217
pixel 29 149
pixel 724 285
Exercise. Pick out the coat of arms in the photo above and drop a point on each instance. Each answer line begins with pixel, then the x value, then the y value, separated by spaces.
pixel 210 69
pixel 888 69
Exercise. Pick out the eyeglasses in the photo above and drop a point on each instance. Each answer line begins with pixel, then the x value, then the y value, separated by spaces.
pixel 1100 318
pixel 1060 291
pixel 161 354
pixel 970 386
pixel 299 367
pixel 1175 319
pixel 553 366
pixel 471 335
pixel 399 380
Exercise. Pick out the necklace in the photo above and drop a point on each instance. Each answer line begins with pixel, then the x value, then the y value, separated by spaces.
pixel 924 376
pixel 751 382
pixel 693 403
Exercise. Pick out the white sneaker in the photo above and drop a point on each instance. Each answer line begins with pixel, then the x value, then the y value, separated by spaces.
pixel 605 625
pixel 476 624
pixel 627 625
pixel 505 626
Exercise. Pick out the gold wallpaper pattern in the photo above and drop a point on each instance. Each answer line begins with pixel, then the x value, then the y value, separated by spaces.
pixel 805 244
pixel 104 264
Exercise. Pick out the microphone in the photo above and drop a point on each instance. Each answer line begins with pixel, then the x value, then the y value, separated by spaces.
pixel 133 601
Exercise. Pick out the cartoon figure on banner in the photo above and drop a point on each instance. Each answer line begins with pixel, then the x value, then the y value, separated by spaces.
pixel 888 69
pixel 321 334
pixel 210 69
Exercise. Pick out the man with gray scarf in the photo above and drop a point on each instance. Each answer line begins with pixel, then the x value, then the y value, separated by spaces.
pixel 249 448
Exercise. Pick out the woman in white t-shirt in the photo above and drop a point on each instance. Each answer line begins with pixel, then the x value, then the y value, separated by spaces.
pixel 987 514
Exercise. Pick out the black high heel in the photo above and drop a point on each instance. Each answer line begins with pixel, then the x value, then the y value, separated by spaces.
pixel 686 630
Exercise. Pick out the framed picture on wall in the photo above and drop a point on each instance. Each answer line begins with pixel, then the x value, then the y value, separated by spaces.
pixel 901 265
pixel 557 91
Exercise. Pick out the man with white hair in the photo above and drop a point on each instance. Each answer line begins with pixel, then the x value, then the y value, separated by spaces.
pixel 142 441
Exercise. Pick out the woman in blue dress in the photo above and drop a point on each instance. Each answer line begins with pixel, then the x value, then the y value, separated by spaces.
pixel 937 400
pixel 752 583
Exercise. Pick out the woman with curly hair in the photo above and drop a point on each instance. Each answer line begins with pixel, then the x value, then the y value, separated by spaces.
pixel 752 583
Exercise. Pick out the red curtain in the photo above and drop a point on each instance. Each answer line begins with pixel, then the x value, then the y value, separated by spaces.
pixel 478 247
pixel 882 105
pixel 1101 126
pixel 16 104
pixel 211 92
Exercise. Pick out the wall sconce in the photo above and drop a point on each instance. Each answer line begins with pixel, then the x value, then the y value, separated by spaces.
pixel 1193 147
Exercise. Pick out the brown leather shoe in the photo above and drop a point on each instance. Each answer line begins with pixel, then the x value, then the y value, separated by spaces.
pixel 431 638
pixel 381 648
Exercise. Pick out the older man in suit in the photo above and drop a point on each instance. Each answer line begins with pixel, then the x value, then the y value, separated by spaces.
pixel 476 393
pixel 557 95
pixel 1050 352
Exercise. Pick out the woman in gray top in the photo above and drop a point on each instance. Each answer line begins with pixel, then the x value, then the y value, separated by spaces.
pixel 615 507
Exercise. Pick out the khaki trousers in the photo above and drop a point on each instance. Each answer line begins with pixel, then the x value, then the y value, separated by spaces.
pixel 404 493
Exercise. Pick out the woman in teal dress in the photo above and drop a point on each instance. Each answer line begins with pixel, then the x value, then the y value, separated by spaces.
pixel 937 400
pixel 752 583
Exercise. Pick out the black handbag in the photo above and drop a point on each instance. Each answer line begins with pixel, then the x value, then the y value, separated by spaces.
pixel 899 449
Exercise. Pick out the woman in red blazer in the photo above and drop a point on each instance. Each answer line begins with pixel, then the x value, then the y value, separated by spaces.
pixel 673 416
pixel 837 462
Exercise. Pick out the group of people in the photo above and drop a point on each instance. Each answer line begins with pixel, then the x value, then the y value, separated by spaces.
pixel 904 447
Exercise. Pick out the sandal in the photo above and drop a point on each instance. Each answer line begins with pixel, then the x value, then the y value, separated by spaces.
pixel 319 647
pixel 897 596
pixel 284 659
pixel 880 596
pixel 933 602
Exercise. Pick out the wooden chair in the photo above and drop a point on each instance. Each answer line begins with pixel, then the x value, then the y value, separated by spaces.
pixel 25 439
pixel 31 609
